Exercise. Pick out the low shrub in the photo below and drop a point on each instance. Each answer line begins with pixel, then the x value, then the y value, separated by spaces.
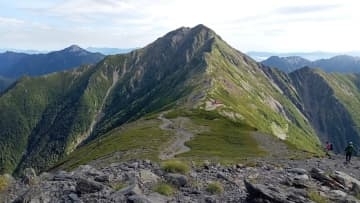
pixel 118 185
pixel 215 188
pixel 316 197
pixel 4 182
pixel 175 166
pixel 164 189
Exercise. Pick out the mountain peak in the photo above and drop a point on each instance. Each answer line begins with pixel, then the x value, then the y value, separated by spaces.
pixel 201 27
pixel 74 48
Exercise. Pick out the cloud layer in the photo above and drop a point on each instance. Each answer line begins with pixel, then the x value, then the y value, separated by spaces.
pixel 247 25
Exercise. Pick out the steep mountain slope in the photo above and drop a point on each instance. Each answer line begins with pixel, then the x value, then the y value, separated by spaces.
pixel 15 65
pixel 331 102
pixel 339 64
pixel 192 73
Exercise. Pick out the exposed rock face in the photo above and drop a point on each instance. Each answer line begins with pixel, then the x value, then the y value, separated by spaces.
pixel 318 96
pixel 284 182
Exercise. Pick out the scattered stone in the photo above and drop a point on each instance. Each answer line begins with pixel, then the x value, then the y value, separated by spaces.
pixel 298 171
pixel 177 179
pixel 148 177
pixel 137 199
pixel 135 181
pixel 74 198
pixel 102 178
pixel 29 176
pixel 84 186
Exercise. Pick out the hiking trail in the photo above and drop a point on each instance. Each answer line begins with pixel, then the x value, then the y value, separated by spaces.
pixel 177 143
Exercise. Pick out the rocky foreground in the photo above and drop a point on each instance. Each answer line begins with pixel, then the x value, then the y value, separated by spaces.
pixel 313 180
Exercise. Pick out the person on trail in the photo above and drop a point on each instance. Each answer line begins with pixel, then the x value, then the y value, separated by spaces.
pixel 348 151
pixel 328 149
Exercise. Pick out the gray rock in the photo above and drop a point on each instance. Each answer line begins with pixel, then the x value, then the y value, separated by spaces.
pixel 325 179
pixel 134 165
pixel 118 197
pixel 341 197
pixel 178 180
pixel 132 189
pixel 102 178
pixel 157 198
pixel 148 177
pixel 74 198
pixel 29 176
pixel 298 171
pixel 262 193
pixel 87 170
pixel 349 182
pixel 137 199
pixel 63 176
pixel 84 186
pixel 210 199
pixel 222 176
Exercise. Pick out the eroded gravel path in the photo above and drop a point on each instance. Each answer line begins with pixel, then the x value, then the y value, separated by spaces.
pixel 177 143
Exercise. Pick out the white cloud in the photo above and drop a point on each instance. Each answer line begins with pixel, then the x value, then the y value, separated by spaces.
pixel 10 21
pixel 275 25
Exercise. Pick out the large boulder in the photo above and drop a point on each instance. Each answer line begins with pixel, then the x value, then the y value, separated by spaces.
pixel 176 179
pixel 321 176
pixel 84 186
pixel 29 176
pixel 350 183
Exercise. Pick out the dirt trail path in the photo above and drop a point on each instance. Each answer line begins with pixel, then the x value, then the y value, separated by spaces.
pixel 181 135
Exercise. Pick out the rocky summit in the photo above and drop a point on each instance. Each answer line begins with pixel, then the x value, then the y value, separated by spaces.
pixel 283 181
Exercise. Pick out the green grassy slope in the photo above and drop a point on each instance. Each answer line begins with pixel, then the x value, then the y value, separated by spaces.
pixel 245 90
pixel 223 141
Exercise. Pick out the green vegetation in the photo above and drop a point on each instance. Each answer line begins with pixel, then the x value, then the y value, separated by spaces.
pixel 215 188
pixel 4 182
pixel 223 140
pixel 118 185
pixel 175 166
pixel 164 189
pixel 316 197
pixel 243 89
pixel 141 139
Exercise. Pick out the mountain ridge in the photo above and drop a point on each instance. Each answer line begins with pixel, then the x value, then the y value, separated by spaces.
pixel 339 63
pixel 15 65
pixel 188 72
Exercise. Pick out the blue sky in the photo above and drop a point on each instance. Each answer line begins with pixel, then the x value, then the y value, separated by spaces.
pixel 251 25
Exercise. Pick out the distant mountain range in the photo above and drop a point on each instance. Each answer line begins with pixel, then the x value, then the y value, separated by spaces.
pixel 14 65
pixel 340 64
pixel 109 51
pixel 260 56
pixel 102 50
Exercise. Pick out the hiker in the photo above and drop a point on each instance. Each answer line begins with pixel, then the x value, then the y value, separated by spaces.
pixel 349 150
pixel 328 148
